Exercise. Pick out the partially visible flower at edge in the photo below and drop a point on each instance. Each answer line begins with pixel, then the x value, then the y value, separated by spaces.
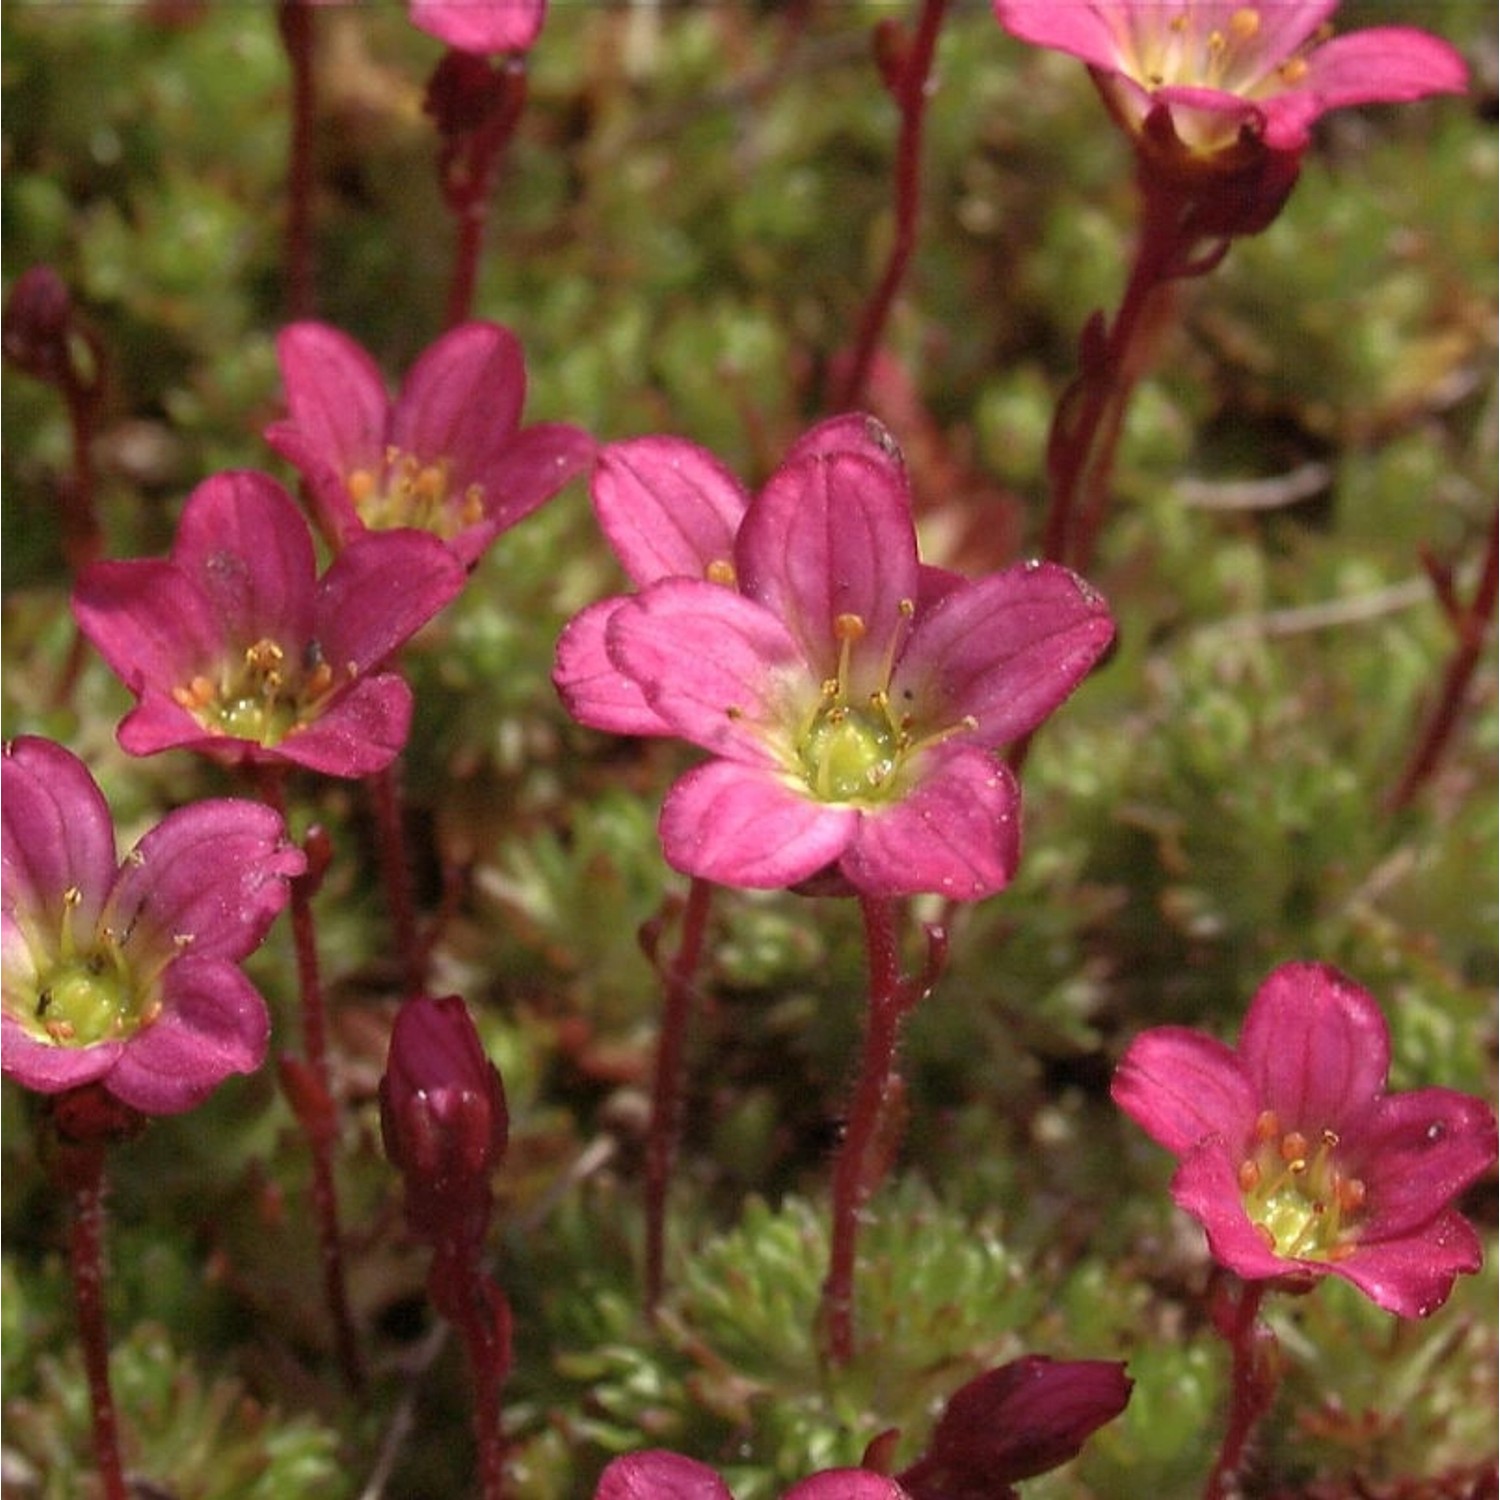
pixel 852 697
pixel 481 26
pixel 448 455
pixel 1296 1160
pixel 126 974
pixel 234 645
pixel 656 1474
pixel 1228 70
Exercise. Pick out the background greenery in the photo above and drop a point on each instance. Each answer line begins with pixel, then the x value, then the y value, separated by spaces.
pixel 683 236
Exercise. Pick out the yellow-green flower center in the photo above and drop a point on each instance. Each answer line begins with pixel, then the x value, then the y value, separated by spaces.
pixel 263 696
pixel 1296 1193
pixel 411 492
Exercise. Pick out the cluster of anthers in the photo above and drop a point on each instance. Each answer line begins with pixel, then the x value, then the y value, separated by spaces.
pixel 412 493
pixel 265 696
pixel 1303 1205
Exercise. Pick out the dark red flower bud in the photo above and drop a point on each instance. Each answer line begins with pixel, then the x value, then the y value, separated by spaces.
pixel 1015 1422
pixel 35 328
pixel 443 1118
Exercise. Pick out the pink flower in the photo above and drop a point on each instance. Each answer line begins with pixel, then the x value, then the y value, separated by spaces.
pixel 1014 1422
pixel 443 1120
pixel 656 1474
pixel 1295 1159
pixel 852 698
pixel 1228 72
pixel 126 974
pixel 447 456
pixel 481 26
pixel 234 645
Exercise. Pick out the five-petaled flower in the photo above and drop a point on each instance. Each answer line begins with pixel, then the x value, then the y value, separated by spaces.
pixel 852 698
pixel 481 26
pixel 126 974
pixel 447 456
pixel 234 645
pixel 1295 1159
pixel 1230 72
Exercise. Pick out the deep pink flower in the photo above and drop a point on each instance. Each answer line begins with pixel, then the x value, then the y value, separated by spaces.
pixel 852 698
pixel 482 26
pixel 1229 72
pixel 1295 1159
pixel 126 974
pixel 447 456
pixel 1014 1422
pixel 656 1474
pixel 443 1119
pixel 234 645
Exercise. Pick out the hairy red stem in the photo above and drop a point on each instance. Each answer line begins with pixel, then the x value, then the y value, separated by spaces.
pixel 395 869
pixel 1472 623
pixel 665 1129
pixel 1253 1387
pixel 911 98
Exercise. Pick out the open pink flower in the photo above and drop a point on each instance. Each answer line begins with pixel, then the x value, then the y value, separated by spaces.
pixel 233 644
pixel 447 456
pixel 1227 72
pixel 1295 1159
pixel 481 26
pixel 670 509
pixel 126 974
pixel 852 698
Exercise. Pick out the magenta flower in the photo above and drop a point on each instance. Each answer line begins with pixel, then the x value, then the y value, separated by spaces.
pixel 1230 73
pixel 125 974
pixel 234 645
pixel 852 698
pixel 447 456
pixel 1295 1159
pixel 481 26
pixel 1015 1422
pixel 655 1474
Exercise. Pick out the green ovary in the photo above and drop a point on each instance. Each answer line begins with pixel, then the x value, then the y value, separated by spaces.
pixel 1304 1204
pixel 848 755
pixel 87 999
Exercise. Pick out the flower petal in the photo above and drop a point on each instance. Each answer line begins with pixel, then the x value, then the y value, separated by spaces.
pixel 1184 1088
pixel 1206 1187
pixel 362 731
pixel 845 1484
pixel 48 1069
pixel 1413 1275
pixel 208 880
pixel 481 26
pixel 1004 650
pixel 741 825
pixel 59 837
pixel 668 507
pixel 531 468
pixel 715 666
pixel 956 832
pixel 244 544
pixel 655 1474
pixel 831 535
pixel 213 1023
pixel 1089 32
pixel 1315 1048
pixel 592 688
pixel 336 399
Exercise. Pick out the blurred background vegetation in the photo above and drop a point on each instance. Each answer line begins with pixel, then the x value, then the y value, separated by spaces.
pixel 684 234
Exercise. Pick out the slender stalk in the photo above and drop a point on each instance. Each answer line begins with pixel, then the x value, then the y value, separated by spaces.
pixel 86 1262
pixel 477 1308
pixel 1252 1388
pixel 308 1087
pixel 390 842
pixel 856 1166
pixel 912 91
pixel 294 21
pixel 665 1128
pixel 1472 621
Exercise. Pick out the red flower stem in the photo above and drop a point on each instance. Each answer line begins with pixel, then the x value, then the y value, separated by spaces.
pixel 1472 623
pixel 1091 414
pixel 855 1166
pixel 911 99
pixel 294 21
pixel 466 1297
pixel 86 1262
pixel 1253 1386
pixel 468 186
pixel 395 869
pixel 665 1128
pixel 309 1090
